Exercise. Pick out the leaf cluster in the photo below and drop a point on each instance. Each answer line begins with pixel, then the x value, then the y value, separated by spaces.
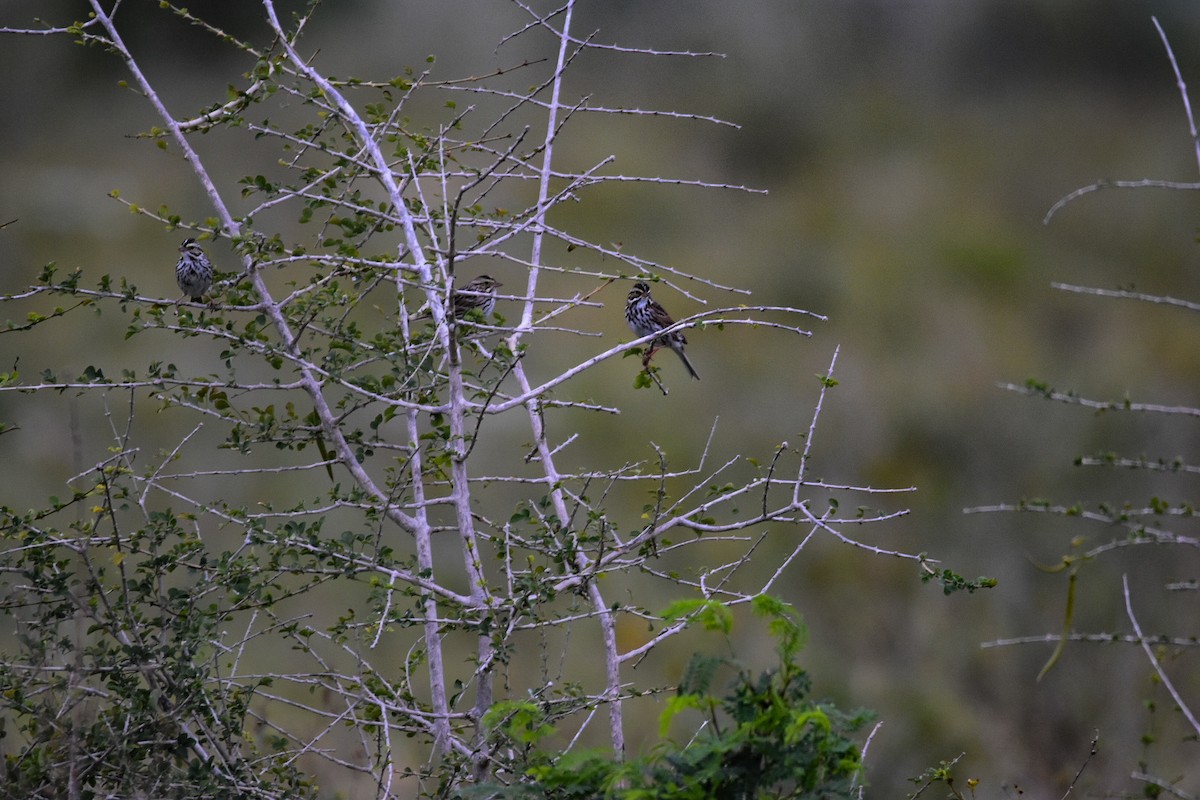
pixel 762 736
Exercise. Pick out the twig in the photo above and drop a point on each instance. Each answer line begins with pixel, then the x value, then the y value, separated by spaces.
pixel 1183 94
pixel 856 783
pixel 653 373
pixel 1083 766
pixel 1096 638
pixel 1162 675
pixel 1124 294
pixel 1161 784
pixel 1099 405
pixel 1146 183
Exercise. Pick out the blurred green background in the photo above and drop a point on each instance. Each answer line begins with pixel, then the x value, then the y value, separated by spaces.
pixel 910 151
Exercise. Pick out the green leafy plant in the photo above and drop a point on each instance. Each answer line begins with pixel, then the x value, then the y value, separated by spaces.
pixel 760 737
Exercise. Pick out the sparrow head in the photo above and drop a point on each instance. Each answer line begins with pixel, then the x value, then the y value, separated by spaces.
pixel 484 283
pixel 640 289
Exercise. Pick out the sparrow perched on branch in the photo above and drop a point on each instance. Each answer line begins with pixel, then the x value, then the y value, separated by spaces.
pixel 479 294
pixel 193 271
pixel 645 316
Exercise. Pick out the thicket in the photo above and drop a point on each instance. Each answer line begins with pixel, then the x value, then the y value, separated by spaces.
pixel 428 594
